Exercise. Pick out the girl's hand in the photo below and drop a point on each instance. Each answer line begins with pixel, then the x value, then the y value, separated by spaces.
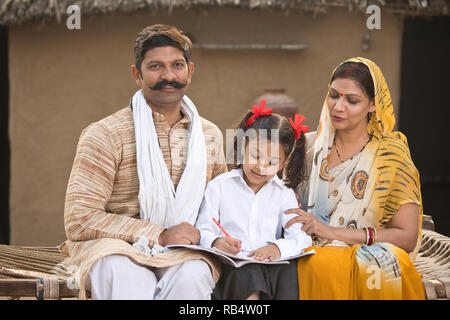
pixel 227 244
pixel 311 225
pixel 270 252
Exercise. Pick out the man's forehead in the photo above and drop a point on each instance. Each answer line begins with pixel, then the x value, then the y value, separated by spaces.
pixel 164 54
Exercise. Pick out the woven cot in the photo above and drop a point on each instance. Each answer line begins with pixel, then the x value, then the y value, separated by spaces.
pixel 44 272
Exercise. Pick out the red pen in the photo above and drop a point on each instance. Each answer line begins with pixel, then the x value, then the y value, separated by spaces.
pixel 221 228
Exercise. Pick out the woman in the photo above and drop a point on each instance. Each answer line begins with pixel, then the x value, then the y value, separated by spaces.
pixel 362 197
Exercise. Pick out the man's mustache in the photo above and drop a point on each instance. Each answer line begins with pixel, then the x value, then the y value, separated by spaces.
pixel 162 83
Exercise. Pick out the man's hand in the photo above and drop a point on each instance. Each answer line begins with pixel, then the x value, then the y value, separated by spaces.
pixel 183 233
pixel 270 252
pixel 227 244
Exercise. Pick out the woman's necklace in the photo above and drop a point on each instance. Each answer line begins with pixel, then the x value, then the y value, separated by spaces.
pixel 337 150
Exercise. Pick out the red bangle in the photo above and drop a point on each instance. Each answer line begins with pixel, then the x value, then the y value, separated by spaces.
pixel 374 232
pixel 371 236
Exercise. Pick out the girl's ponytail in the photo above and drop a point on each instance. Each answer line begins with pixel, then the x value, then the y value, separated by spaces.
pixel 295 168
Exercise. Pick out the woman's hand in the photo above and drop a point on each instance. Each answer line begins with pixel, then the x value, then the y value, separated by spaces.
pixel 401 231
pixel 311 225
pixel 270 252
pixel 227 244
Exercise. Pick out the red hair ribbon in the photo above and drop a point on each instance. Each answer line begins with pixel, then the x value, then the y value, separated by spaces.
pixel 296 124
pixel 257 112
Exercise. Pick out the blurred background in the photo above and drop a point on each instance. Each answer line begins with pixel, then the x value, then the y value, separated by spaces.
pixel 55 81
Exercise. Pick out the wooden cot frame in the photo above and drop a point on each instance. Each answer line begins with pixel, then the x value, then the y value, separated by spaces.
pixel 432 261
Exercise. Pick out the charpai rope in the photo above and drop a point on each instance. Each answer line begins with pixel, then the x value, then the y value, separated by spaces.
pixel 49 265
pixel 26 261
pixel 47 288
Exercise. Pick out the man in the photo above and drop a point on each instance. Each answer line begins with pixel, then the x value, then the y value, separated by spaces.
pixel 138 178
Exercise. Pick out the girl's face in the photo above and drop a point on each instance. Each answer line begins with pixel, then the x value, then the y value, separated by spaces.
pixel 348 105
pixel 262 161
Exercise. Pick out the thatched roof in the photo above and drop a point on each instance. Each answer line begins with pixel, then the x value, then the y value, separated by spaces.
pixel 19 11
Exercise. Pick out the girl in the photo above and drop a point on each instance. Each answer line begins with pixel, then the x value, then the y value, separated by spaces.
pixel 250 200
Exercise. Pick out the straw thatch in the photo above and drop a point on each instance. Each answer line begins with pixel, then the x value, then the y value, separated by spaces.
pixel 19 11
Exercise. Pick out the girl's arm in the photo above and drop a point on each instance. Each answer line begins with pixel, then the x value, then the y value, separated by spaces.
pixel 295 239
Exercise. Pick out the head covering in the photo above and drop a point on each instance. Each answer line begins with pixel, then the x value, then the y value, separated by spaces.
pixel 380 179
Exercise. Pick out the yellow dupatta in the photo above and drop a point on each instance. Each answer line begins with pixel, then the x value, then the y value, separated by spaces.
pixel 383 179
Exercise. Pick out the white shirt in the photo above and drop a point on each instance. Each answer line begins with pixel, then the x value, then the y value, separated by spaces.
pixel 255 219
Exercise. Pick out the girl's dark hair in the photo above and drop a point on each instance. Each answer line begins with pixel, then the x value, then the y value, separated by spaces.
pixel 294 150
pixel 359 72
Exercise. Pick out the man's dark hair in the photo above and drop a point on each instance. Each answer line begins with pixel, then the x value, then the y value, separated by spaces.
pixel 160 35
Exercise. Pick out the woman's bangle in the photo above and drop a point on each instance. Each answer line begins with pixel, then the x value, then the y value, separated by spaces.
pixel 371 236
pixel 367 235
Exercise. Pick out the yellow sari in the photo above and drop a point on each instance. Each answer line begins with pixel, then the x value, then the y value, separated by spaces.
pixel 368 191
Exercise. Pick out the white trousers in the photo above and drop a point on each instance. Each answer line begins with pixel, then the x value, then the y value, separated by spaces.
pixel 116 277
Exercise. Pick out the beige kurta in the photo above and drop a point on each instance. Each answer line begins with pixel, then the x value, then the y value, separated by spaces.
pixel 101 214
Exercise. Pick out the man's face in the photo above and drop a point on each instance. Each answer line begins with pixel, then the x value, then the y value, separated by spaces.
pixel 164 76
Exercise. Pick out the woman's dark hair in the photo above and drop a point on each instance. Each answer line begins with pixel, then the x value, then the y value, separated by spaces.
pixel 358 72
pixel 294 150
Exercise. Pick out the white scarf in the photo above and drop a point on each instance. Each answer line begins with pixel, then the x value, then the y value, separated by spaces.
pixel 159 203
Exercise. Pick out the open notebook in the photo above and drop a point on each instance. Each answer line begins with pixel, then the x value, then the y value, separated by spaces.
pixel 241 258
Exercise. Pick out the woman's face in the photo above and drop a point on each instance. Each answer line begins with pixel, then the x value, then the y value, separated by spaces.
pixel 348 105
